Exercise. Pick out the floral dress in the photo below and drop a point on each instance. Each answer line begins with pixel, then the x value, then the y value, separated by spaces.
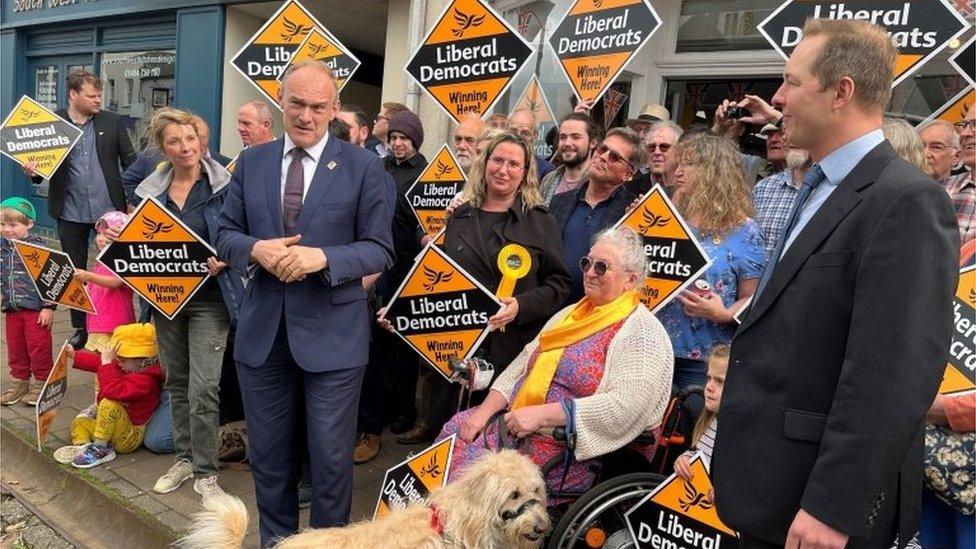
pixel 737 256
pixel 577 375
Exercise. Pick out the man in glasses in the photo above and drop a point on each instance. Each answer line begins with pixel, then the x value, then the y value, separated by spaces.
pixel 523 124
pixel 465 139
pixel 599 201
pixel 578 135
pixel 962 187
pixel 659 141
pixel 381 125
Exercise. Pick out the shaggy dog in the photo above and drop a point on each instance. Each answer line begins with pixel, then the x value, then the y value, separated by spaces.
pixel 498 502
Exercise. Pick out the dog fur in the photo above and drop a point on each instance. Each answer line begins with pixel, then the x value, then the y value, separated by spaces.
pixel 498 502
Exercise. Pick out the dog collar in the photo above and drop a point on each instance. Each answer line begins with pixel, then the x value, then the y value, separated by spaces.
pixel 436 521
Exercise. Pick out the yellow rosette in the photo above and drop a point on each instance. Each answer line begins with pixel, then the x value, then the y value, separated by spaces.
pixel 514 262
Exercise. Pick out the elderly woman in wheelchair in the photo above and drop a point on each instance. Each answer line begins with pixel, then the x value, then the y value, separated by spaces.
pixel 599 371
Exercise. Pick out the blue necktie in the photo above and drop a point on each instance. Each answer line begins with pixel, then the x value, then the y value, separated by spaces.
pixel 813 178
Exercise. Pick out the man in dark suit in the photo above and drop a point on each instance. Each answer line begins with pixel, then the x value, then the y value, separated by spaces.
pixel 600 201
pixel 304 215
pixel 819 441
pixel 89 182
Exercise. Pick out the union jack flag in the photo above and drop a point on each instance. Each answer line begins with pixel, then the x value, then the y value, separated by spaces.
pixel 612 101
pixel 738 90
pixel 965 7
pixel 696 95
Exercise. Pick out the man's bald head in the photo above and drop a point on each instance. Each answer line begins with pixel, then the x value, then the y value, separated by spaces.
pixel 523 123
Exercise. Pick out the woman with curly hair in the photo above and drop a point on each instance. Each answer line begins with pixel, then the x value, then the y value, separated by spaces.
pixel 713 197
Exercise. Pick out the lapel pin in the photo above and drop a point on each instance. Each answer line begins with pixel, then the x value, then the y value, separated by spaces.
pixel 332 165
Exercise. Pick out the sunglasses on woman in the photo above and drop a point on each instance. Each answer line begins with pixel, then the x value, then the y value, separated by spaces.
pixel 600 268
pixel 615 157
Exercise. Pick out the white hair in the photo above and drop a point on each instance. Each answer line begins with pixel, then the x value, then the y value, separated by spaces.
pixel 629 245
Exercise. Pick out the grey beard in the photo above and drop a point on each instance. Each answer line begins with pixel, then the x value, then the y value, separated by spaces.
pixel 797 158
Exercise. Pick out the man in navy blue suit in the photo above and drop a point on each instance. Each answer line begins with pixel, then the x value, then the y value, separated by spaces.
pixel 306 216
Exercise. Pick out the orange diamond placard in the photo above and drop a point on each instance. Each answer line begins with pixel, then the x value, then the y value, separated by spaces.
pixel 53 274
pixel 324 47
pixel 468 59
pixel 263 58
pixel 959 375
pixel 534 100
pixel 674 256
pixel 159 257
pixel 678 511
pixel 32 133
pixel 596 39
pixel 919 29
pixel 956 108
pixel 413 479
pixel 440 310
pixel 432 192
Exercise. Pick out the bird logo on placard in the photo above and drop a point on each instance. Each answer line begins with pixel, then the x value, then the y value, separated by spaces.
pixel 972 296
pixel 154 228
pixel 432 469
pixel 465 22
pixel 294 29
pixel 34 259
pixel 435 277
pixel 693 498
pixel 316 49
pixel 28 114
pixel 652 220
pixel 597 3
pixel 442 170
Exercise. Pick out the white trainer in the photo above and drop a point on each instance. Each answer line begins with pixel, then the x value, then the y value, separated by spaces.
pixel 179 472
pixel 207 487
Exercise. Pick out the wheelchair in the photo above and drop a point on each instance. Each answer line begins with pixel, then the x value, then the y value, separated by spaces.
pixel 596 518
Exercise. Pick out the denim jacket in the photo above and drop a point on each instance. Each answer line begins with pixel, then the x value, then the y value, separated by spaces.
pixel 17 290
pixel 157 185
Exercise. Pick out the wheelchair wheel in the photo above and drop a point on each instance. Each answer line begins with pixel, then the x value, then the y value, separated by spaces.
pixel 597 518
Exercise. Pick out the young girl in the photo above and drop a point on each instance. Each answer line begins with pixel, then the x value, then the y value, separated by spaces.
pixel 110 296
pixel 130 380
pixel 703 437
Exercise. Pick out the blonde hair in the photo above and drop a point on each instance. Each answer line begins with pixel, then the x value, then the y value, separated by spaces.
pixel 164 118
pixel 719 352
pixel 858 50
pixel 717 198
pixel 475 191
pixel 905 140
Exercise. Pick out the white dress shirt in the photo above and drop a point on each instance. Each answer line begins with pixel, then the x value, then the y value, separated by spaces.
pixel 309 162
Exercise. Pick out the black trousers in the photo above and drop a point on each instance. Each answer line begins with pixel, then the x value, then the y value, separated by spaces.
pixel 75 238
pixel 389 384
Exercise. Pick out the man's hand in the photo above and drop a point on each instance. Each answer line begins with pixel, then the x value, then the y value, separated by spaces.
pixel 214 265
pixel 723 125
pixel 760 112
pixel 584 107
pixel 269 252
pixel 30 169
pixel 45 318
pixel 807 532
pixel 300 261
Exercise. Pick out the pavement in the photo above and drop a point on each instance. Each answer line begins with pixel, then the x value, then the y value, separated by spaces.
pixel 128 480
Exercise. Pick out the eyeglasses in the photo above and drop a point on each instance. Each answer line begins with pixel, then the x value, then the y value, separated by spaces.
pixel 963 124
pixel 663 147
pixel 601 149
pixel 498 162
pixel 381 117
pixel 599 267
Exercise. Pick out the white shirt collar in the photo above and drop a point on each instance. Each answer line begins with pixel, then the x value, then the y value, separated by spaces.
pixel 315 151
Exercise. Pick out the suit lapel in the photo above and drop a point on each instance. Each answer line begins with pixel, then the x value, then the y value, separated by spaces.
pixel 325 172
pixel 840 203
pixel 273 187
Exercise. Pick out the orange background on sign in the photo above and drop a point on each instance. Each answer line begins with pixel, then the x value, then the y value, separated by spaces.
pixel 588 6
pixel 671 494
pixel 443 31
pixel 434 261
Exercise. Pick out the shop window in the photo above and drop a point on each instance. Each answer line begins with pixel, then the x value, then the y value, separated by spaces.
pixel 148 82
pixel 720 25
pixel 46 86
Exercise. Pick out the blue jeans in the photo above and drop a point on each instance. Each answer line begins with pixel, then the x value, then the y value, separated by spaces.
pixel 158 437
pixel 943 527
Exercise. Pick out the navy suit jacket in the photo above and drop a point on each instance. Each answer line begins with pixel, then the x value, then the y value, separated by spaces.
pixel 347 213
